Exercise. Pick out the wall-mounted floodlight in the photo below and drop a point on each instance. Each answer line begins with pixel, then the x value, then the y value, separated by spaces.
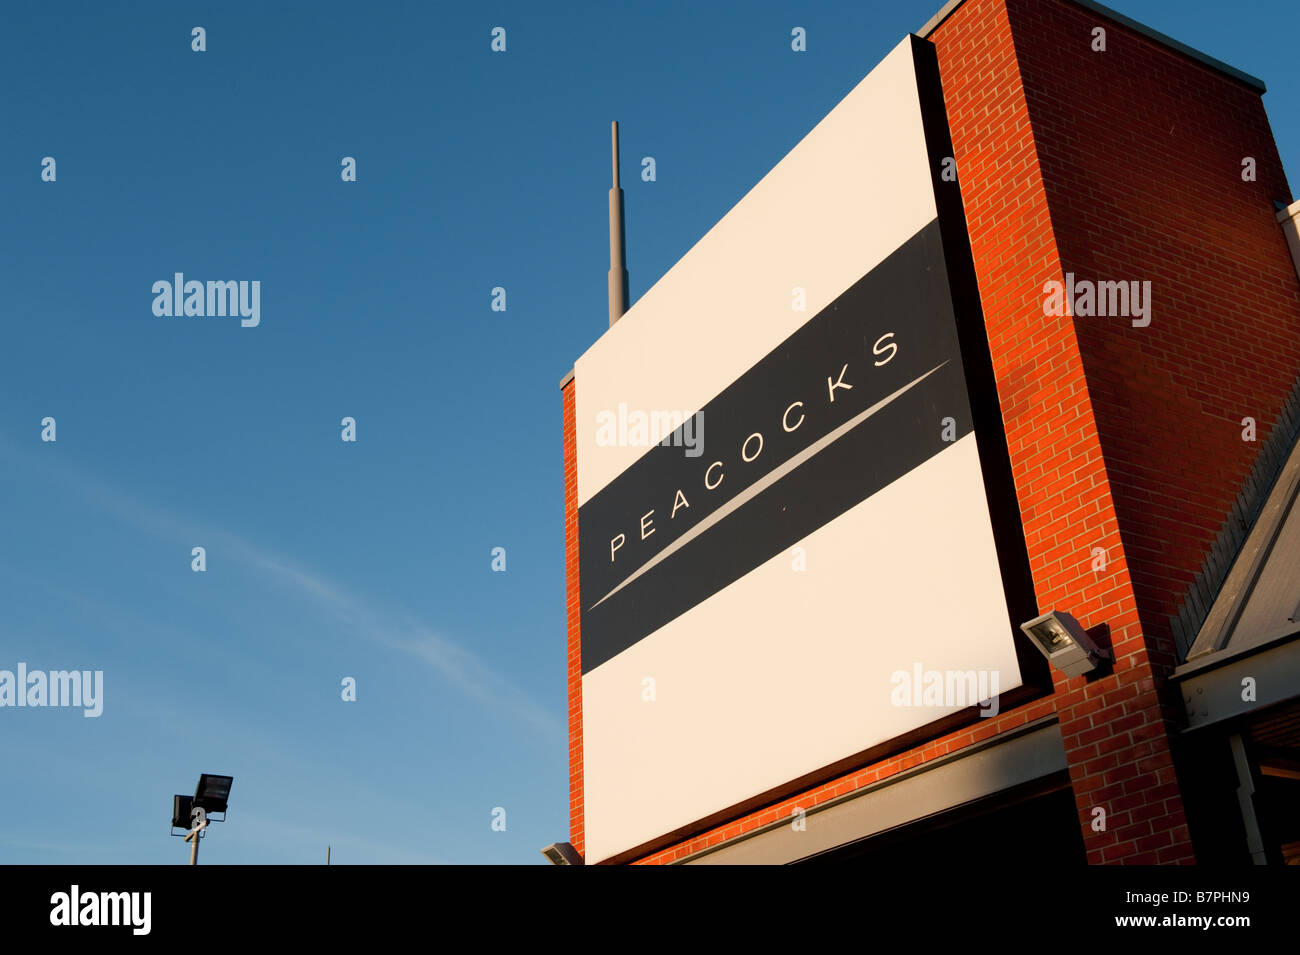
pixel 562 853
pixel 190 813
pixel 1065 643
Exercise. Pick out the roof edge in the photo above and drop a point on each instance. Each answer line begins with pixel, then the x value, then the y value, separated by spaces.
pixel 1207 613
pixel 1162 38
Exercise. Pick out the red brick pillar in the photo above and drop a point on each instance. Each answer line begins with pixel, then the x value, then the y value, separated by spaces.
pixel 572 615
pixel 1056 453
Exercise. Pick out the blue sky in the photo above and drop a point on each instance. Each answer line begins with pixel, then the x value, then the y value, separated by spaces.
pixel 373 559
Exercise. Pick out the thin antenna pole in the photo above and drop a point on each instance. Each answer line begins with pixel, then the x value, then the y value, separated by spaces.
pixel 613 144
pixel 617 240
pixel 327 855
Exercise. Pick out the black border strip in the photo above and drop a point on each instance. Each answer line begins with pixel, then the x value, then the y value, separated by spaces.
pixel 977 362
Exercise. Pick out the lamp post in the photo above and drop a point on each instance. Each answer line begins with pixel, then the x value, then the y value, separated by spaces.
pixel 192 812
pixel 200 823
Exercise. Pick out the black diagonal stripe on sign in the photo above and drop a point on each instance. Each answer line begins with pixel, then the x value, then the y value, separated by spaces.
pixel 899 314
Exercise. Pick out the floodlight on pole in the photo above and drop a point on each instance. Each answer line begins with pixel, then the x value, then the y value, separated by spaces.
pixel 213 792
pixel 191 813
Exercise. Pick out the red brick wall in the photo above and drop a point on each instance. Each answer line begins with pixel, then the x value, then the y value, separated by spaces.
pixel 1140 150
pixel 1119 168
pixel 1114 728
pixel 572 611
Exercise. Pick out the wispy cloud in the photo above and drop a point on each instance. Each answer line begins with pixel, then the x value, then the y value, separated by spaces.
pixel 393 628
pixel 399 631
